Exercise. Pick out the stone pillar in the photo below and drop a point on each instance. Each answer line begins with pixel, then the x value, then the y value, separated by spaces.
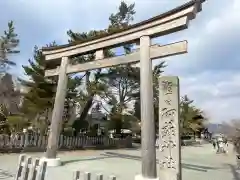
pixel 169 133
pixel 147 113
pixel 57 115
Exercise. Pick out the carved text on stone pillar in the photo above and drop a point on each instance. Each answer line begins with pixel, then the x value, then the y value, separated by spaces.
pixel 168 123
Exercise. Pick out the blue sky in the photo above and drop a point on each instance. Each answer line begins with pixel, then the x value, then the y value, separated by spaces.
pixel 208 73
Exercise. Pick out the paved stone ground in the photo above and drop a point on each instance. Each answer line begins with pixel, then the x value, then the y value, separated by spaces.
pixel 198 163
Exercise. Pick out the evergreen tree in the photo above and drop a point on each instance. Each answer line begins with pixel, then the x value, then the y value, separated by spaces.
pixel 124 78
pixel 191 117
pixel 94 85
pixel 8 42
pixel 127 77
pixel 38 101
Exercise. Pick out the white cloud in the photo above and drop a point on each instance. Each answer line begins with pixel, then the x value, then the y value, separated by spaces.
pixel 214 42
pixel 208 73
pixel 218 98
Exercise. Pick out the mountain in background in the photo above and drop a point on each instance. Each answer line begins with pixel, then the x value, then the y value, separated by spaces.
pixel 214 128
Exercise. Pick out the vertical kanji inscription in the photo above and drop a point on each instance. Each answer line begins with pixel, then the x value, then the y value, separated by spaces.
pixel 169 140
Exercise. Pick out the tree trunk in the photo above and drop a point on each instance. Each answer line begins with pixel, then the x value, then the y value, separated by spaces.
pixel 86 108
pixel 118 126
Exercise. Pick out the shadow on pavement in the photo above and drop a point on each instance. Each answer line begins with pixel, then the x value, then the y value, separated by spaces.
pixel 5 174
pixel 82 159
pixel 184 165
pixel 234 170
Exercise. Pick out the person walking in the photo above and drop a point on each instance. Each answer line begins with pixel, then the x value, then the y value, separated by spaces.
pixel 214 144
pixel 226 142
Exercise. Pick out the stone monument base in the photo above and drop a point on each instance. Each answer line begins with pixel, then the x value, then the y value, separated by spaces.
pixel 52 162
pixel 140 177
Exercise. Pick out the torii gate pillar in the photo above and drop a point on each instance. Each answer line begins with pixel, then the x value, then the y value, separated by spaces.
pixel 147 112
pixel 55 128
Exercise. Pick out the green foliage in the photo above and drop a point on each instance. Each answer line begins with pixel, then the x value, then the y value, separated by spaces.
pixel 3 111
pixel 17 123
pixel 122 84
pixel 41 89
pixel 116 122
pixel 122 17
pixel 68 131
pixel 39 125
pixel 90 79
pixel 9 97
pixel 8 42
pixel 38 101
pixel 80 124
pixel 93 79
pixel 121 80
pixel 117 86
pixel 191 118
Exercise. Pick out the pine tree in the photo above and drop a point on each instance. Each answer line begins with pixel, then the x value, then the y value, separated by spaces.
pixel 8 42
pixel 127 77
pixel 191 117
pixel 41 90
pixel 39 100
pixel 94 86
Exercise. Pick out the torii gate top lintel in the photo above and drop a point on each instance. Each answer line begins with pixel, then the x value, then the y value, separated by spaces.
pixel 166 23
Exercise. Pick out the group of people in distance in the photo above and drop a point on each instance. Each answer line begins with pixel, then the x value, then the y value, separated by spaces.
pixel 220 143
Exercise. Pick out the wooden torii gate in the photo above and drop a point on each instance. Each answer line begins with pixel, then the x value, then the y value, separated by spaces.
pixel 141 33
